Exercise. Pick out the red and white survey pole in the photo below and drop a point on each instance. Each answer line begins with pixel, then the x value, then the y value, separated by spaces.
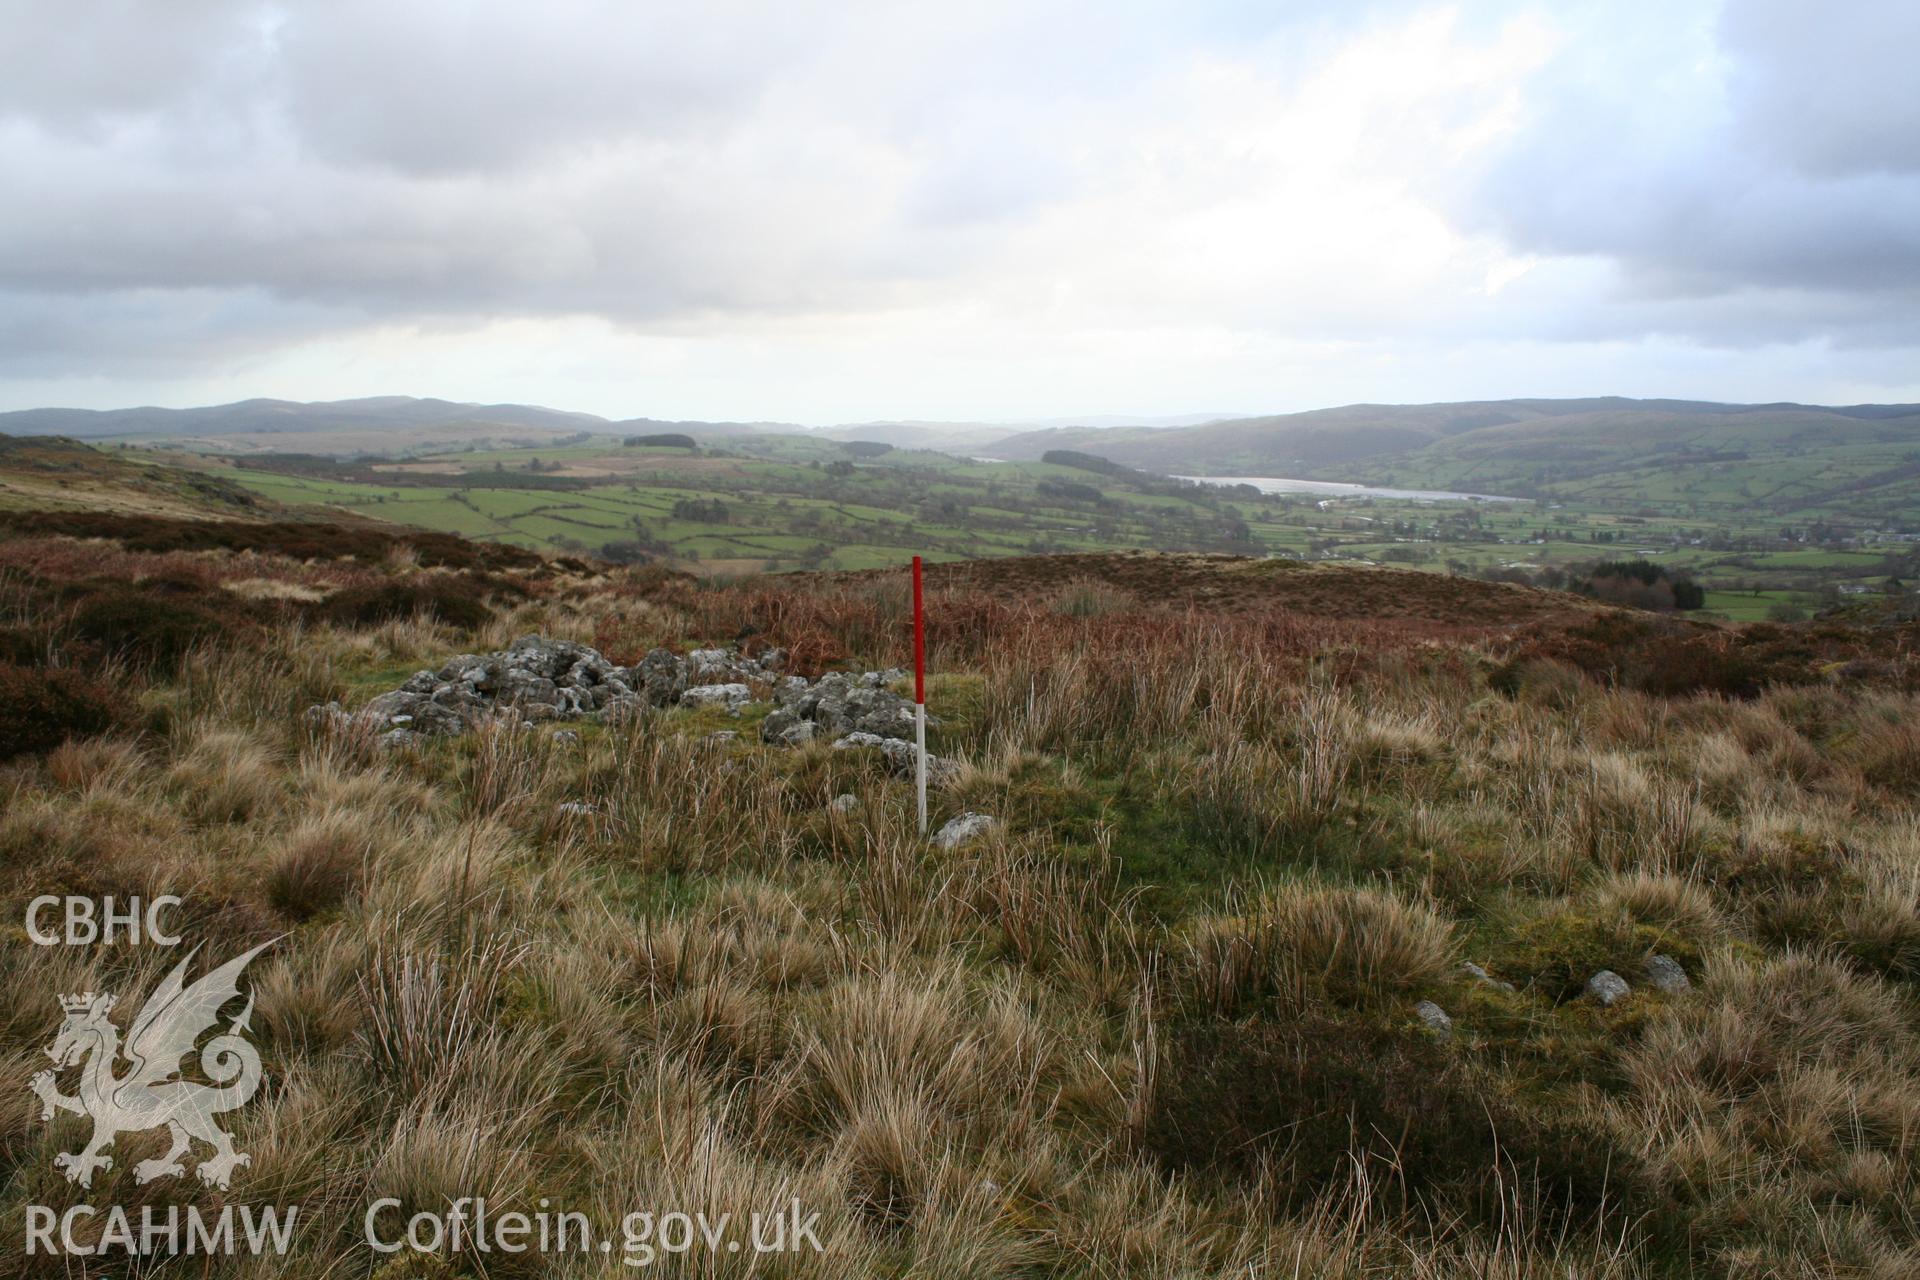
pixel 919 697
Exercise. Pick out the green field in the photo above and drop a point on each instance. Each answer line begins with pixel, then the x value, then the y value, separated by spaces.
pixel 777 503
pixel 743 511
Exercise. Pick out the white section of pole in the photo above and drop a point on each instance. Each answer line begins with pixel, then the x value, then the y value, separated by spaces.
pixel 920 760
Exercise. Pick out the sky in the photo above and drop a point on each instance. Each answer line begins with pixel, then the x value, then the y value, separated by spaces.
pixel 991 211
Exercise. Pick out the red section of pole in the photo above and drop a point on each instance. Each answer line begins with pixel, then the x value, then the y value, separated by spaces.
pixel 919 639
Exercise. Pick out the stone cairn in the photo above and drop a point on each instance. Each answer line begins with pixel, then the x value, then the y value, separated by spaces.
pixel 536 679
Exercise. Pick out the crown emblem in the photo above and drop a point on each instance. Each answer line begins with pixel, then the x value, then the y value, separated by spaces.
pixel 172 1026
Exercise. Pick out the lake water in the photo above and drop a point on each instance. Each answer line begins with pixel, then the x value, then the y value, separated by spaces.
pixel 1334 489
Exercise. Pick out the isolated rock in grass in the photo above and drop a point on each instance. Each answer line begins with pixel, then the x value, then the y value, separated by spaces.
pixel 845 802
pixel 1435 1017
pixel 1665 974
pixel 1608 987
pixel 1482 975
pixel 959 830
pixel 575 809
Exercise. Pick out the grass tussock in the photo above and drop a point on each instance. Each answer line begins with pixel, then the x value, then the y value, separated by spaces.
pixel 1301 944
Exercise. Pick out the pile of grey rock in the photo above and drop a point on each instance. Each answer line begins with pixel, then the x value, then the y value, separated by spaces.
pixel 836 705
pixel 537 679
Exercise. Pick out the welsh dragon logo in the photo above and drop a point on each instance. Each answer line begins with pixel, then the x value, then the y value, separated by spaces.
pixel 149 1093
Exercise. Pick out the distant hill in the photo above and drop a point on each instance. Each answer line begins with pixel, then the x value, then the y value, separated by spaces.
pixel 373 424
pixel 948 436
pixel 1863 460
pixel 407 423
pixel 1772 459
pixel 1270 445
pixel 284 416
pixel 1779 457
pixel 56 473
pixel 1284 444
pixel 951 436
pixel 379 423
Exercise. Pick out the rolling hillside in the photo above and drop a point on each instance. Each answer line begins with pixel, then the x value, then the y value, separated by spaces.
pixel 52 473
pixel 1853 464
pixel 1786 459
pixel 407 424
pixel 1776 459
pixel 375 424
pixel 280 417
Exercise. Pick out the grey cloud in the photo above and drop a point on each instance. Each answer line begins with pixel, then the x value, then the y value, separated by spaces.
pixel 152 332
pixel 641 163
pixel 1780 204
pixel 82 65
pixel 212 177
pixel 1828 88
pixel 438 87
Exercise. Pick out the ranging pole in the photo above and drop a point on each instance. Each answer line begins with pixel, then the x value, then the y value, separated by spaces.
pixel 919 698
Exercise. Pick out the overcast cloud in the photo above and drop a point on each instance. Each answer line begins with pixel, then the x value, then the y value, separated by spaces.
pixel 1001 209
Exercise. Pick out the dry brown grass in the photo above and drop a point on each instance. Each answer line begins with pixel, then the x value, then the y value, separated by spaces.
pixel 1298 944
pixel 713 994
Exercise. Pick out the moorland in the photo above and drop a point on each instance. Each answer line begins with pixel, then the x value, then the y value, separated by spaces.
pixel 1258 820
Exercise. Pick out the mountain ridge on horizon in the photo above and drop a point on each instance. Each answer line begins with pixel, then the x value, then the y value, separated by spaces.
pixel 274 415
pixel 201 419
